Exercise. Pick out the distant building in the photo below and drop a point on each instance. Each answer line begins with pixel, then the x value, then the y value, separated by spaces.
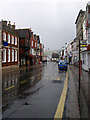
pixel 9 45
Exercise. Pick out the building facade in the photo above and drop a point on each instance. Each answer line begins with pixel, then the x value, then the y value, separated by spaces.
pixel 9 45
pixel 79 30
pixel 88 33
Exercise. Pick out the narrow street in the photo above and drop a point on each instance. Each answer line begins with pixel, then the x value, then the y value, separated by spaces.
pixel 33 93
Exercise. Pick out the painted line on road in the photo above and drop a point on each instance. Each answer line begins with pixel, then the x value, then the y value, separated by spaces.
pixel 23 81
pixel 58 78
pixel 10 87
pixel 60 107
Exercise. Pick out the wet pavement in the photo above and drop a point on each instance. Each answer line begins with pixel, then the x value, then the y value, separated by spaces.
pixel 83 95
pixel 32 93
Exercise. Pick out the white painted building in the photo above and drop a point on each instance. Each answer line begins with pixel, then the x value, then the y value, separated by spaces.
pixel 85 53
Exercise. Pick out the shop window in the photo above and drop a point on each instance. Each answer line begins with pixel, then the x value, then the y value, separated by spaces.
pixel 88 9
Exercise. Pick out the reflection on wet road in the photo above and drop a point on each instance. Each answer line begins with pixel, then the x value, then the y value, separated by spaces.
pixel 40 88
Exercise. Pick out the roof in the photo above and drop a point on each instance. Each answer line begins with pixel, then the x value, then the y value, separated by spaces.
pixel 80 12
pixel 23 33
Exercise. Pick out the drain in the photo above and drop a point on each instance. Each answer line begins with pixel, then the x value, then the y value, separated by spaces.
pixel 57 81
pixel 26 103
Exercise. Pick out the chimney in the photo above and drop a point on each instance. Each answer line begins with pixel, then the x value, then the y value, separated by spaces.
pixel 13 26
pixel 9 25
pixel 30 30
pixel 4 22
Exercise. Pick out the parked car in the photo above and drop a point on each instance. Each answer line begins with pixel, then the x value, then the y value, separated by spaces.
pixel 39 62
pixel 57 61
pixel 62 65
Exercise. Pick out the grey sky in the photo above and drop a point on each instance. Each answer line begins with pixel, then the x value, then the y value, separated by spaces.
pixel 53 20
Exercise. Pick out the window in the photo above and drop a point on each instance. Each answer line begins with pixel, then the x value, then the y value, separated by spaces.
pixel 8 55
pixel 12 55
pixel 32 43
pixel 8 38
pixel 15 55
pixel 15 40
pixel 4 55
pixel 35 44
pixel 88 9
pixel 12 39
pixel 4 36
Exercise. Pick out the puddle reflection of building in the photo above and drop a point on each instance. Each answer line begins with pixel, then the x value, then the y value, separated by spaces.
pixel 15 83
pixel 9 87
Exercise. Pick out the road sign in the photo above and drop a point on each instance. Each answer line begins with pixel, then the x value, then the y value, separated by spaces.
pixel 83 45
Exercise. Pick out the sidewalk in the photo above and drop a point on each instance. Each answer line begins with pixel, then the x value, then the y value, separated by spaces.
pixel 83 97
pixel 71 105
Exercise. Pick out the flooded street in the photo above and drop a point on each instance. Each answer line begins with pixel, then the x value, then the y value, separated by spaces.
pixel 33 92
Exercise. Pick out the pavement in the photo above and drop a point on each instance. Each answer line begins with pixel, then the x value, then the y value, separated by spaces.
pixel 82 96
pixel 71 106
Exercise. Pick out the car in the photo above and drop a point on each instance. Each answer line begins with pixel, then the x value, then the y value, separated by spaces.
pixel 62 65
pixel 39 62
pixel 57 61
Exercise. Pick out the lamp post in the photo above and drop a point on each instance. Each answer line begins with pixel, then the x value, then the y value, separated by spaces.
pixel 79 66
pixel 66 52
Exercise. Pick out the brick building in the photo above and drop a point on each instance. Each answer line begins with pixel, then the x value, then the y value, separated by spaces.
pixel 24 46
pixel 9 44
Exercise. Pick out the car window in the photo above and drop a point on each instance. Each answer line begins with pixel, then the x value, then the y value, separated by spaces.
pixel 62 63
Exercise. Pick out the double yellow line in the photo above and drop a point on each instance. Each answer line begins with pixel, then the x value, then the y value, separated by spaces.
pixel 60 107
pixel 14 85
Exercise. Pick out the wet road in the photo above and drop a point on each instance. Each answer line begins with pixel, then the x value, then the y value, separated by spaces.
pixel 33 93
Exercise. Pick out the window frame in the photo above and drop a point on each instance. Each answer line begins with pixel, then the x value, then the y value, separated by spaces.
pixel 12 55
pixel 16 40
pixel 8 38
pixel 15 55
pixel 12 39
pixel 4 55
pixel 8 55
pixel 4 36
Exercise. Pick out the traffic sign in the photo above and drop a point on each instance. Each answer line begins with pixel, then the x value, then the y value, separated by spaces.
pixel 83 45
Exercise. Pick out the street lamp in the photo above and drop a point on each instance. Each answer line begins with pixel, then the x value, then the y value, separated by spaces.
pixel 66 52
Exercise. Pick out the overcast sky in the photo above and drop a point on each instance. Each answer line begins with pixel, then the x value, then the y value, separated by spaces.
pixel 53 20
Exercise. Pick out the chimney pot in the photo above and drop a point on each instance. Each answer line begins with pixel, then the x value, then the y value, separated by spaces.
pixel 9 25
pixel 13 26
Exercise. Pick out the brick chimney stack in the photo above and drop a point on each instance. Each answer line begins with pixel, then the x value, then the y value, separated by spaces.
pixel 9 25
pixel 4 22
pixel 13 26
